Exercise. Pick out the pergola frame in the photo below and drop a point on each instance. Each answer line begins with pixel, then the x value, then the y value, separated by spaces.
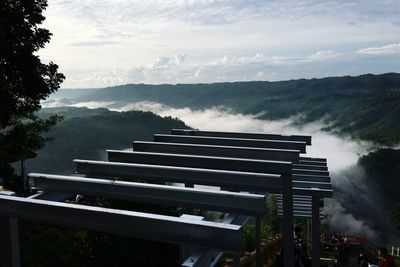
pixel 250 162
pixel 304 168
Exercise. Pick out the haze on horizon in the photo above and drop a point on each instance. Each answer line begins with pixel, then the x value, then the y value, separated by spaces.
pixel 103 43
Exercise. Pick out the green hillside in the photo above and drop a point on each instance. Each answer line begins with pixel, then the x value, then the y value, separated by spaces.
pixel 86 133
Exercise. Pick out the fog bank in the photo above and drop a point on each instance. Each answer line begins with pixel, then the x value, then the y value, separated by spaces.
pixel 357 208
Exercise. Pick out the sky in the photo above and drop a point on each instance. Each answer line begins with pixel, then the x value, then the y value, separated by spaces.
pixel 99 43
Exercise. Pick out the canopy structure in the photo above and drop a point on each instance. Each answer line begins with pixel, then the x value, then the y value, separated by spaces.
pixel 242 168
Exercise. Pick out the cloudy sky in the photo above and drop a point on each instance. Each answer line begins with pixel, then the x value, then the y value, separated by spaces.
pixel 101 43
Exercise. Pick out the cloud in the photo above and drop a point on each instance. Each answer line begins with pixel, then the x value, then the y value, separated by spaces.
pixel 341 153
pixel 232 59
pixel 94 43
pixel 341 220
pixel 93 104
pixel 322 55
pixel 359 206
pixel 386 49
pixel 226 40
pixel 236 67
pixel 180 58
pixel 221 11
pixel 159 63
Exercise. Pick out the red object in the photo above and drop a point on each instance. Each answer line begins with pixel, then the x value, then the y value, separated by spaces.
pixel 387 261
pixel 361 240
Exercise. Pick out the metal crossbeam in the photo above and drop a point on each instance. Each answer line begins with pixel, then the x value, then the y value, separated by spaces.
pixel 311 178
pixel 298 207
pixel 302 216
pixel 221 163
pixel 240 180
pixel 221 151
pixel 297 201
pixel 310 172
pixel 196 161
pixel 311 159
pixel 311 185
pixel 225 141
pixel 243 203
pixel 303 166
pixel 316 192
pixel 162 228
pixel 303 187
pixel 300 201
pixel 313 163
pixel 301 138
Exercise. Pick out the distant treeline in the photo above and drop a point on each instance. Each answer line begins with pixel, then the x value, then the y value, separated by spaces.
pixel 366 106
pixel 87 133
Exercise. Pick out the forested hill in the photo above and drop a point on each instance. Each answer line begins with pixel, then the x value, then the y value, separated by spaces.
pixel 86 133
pixel 366 106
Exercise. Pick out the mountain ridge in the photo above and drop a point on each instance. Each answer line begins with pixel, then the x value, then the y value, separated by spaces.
pixel 364 107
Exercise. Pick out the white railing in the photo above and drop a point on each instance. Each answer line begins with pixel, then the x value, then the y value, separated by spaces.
pixel 396 251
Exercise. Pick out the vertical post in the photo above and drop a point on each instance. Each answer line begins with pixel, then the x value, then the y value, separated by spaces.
pixel 189 210
pixel 287 203
pixel 308 232
pixel 258 242
pixel 236 260
pixel 182 254
pixel 9 242
pixel 24 181
pixel 316 246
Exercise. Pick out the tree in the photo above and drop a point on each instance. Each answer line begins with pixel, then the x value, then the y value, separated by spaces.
pixel 24 82
pixel 395 216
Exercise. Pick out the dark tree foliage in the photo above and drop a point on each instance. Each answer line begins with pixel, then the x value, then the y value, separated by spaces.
pixel 24 81
pixel 395 216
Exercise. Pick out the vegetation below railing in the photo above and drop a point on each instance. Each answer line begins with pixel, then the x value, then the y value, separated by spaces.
pixel 271 249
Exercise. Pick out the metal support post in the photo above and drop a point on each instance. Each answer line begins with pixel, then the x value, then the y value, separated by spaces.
pixel 308 232
pixel 288 240
pixel 316 246
pixel 258 242
pixel 236 260
pixel 189 210
pixel 24 178
pixel 9 242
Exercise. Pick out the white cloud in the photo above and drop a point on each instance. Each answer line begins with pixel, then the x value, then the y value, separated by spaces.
pixel 176 69
pixel 180 58
pixel 93 104
pixel 341 153
pixel 232 59
pixel 342 220
pixel 159 63
pixel 386 49
pixel 221 11
pixel 322 55
pixel 240 37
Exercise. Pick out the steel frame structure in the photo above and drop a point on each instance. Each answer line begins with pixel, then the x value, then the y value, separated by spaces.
pixel 304 169
pixel 250 162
